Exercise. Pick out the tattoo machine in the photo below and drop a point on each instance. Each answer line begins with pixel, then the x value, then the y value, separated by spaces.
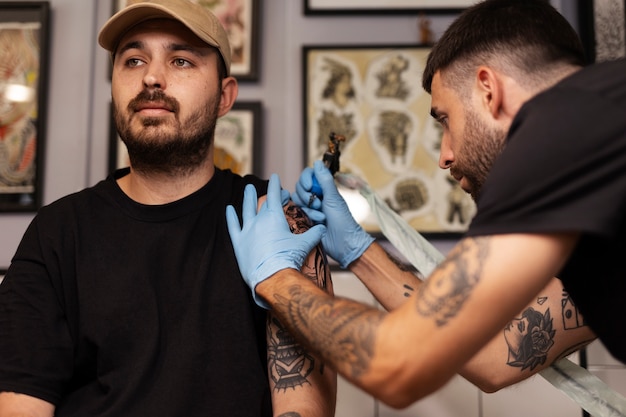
pixel 331 161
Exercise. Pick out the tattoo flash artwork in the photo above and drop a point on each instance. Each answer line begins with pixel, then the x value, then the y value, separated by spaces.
pixel 529 339
pixel 443 295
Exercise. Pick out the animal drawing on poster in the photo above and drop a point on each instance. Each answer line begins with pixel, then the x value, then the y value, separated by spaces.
pixel 339 92
pixel 19 73
pixel 392 84
pixel 339 88
pixel 393 134
pixel 409 195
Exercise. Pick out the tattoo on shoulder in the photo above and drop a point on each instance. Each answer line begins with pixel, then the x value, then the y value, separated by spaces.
pixel 529 338
pixel 444 293
pixel 334 337
pixel 289 363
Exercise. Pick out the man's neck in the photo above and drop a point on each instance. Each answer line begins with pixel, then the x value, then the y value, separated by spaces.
pixel 163 188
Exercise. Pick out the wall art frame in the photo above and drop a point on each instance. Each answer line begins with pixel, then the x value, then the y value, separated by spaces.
pixel 388 7
pixel 242 21
pixel 602 29
pixel 24 53
pixel 372 96
pixel 238 140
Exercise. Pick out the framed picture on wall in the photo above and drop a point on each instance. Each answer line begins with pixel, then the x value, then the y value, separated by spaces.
pixel 329 7
pixel 241 20
pixel 602 28
pixel 372 96
pixel 24 36
pixel 238 141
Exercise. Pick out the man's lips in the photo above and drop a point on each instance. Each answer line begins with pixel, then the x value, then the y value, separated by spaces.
pixel 459 178
pixel 153 107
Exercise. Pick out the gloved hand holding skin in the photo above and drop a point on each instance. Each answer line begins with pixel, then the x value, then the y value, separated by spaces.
pixel 345 240
pixel 265 244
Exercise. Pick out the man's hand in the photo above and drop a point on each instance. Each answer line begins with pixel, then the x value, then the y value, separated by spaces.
pixel 345 240
pixel 265 245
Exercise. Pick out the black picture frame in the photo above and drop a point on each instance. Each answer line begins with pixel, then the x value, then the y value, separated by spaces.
pixel 238 140
pixel 371 94
pixel 244 17
pixel 25 27
pixel 388 7
pixel 602 29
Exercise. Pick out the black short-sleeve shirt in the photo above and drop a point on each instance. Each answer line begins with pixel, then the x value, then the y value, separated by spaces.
pixel 114 308
pixel 564 169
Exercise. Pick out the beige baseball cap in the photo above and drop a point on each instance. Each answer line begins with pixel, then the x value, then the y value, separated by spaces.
pixel 196 17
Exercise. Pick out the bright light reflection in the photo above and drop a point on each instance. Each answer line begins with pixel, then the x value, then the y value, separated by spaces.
pixel 358 205
pixel 18 93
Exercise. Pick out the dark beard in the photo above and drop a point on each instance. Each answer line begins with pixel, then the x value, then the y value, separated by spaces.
pixel 481 148
pixel 153 152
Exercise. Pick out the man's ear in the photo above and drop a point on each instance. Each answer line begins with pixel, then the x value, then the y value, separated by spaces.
pixel 490 90
pixel 230 89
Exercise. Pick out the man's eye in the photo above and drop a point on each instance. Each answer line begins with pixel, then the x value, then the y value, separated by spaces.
pixel 180 62
pixel 133 62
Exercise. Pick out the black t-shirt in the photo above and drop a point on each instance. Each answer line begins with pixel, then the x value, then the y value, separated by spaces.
pixel 114 308
pixel 564 169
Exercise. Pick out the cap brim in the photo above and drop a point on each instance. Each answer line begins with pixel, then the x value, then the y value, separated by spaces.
pixel 131 16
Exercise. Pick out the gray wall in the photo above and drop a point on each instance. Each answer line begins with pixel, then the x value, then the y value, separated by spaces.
pixel 79 90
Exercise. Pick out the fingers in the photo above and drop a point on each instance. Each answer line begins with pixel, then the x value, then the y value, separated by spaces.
pixel 273 194
pixel 284 197
pixel 313 236
pixel 306 178
pixel 302 194
pixel 325 179
pixel 232 221
pixel 315 216
pixel 249 204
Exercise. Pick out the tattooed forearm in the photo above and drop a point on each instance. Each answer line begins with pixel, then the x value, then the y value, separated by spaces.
pixel 332 328
pixel 442 296
pixel 401 265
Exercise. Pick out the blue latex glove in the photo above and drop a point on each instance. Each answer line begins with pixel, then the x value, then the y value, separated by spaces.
pixel 345 240
pixel 265 244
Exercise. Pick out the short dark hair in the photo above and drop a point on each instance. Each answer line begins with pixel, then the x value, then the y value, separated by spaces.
pixel 530 32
